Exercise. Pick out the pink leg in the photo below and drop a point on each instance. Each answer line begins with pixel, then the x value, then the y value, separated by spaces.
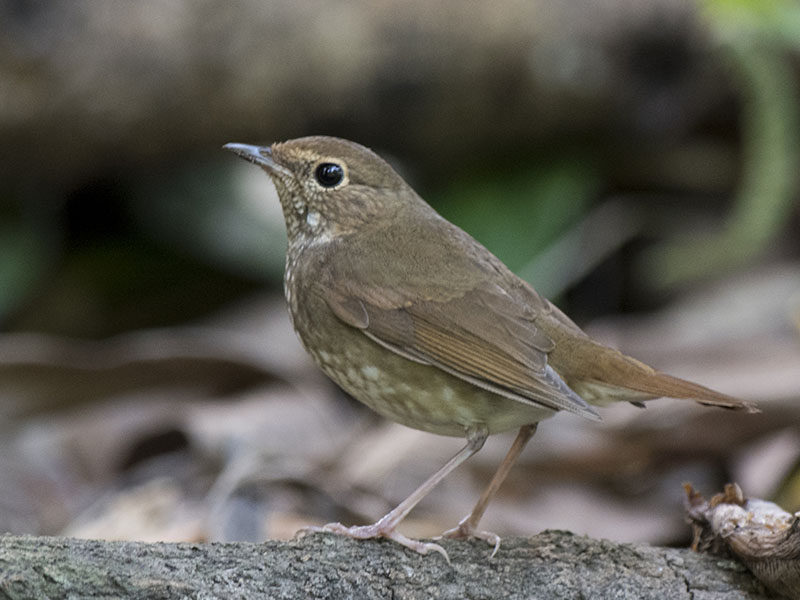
pixel 468 526
pixel 386 525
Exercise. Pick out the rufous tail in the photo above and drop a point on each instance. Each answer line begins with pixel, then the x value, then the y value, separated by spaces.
pixel 612 370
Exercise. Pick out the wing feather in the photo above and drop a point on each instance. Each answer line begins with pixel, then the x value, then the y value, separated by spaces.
pixel 495 347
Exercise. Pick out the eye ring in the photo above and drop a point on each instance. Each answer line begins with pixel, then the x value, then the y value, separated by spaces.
pixel 329 174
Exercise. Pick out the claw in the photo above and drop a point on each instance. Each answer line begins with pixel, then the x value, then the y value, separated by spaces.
pixel 417 545
pixel 376 530
pixel 466 531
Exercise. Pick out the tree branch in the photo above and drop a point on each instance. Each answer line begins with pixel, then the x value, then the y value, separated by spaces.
pixel 553 564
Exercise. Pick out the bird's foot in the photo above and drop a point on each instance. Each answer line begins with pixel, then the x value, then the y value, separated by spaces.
pixel 466 530
pixel 377 530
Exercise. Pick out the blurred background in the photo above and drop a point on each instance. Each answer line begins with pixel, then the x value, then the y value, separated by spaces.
pixel 637 162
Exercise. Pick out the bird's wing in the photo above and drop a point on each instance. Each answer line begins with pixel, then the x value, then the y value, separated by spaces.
pixel 479 333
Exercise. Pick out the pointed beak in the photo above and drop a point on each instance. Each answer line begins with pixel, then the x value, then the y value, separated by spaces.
pixel 258 155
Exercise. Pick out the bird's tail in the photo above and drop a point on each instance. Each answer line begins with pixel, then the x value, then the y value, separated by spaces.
pixel 602 375
pixel 614 376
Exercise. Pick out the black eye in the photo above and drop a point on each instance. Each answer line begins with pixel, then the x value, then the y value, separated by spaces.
pixel 329 174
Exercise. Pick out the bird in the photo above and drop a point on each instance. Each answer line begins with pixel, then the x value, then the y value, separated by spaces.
pixel 416 319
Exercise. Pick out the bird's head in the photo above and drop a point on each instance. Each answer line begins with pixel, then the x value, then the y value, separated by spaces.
pixel 329 186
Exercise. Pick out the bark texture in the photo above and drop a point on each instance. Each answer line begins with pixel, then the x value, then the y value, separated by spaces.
pixel 554 564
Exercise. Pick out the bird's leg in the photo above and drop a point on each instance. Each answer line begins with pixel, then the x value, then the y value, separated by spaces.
pixel 386 525
pixel 468 526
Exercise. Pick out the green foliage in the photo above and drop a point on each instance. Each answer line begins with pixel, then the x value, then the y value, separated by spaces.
pixel 516 214
pixel 25 260
pixel 756 38
pixel 126 283
pixel 775 19
pixel 208 212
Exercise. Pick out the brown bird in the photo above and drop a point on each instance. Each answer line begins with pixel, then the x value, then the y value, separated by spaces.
pixel 416 319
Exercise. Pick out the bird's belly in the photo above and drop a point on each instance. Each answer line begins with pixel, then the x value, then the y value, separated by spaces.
pixel 413 394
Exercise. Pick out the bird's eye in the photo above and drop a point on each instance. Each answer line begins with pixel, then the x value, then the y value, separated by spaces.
pixel 329 174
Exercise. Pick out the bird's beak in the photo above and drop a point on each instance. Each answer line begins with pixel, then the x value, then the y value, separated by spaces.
pixel 258 155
